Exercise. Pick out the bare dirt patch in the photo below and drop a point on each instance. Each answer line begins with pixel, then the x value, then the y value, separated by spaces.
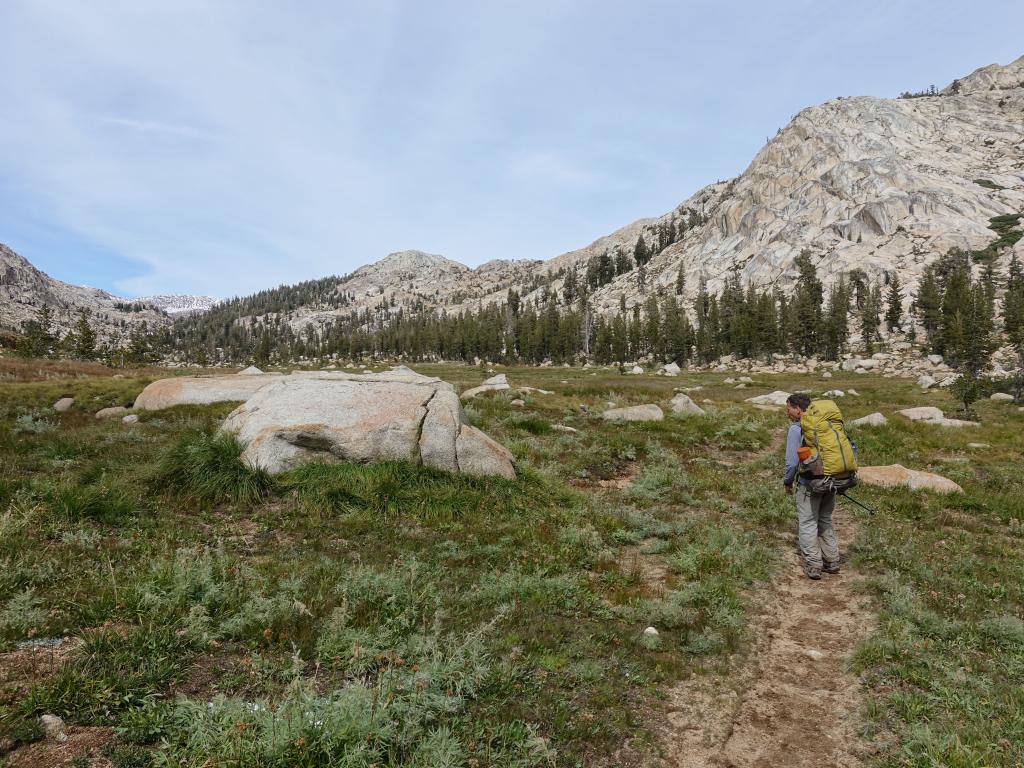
pixel 31 663
pixel 789 699
pixel 622 479
pixel 81 742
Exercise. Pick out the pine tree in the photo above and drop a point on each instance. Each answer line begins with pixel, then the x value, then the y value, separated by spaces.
pixel 84 346
pixel 894 301
pixel 641 255
pixel 837 331
pixel 870 318
pixel 928 307
pixel 680 281
pixel 858 286
pixel 1013 319
pixel 622 262
pixel 38 338
pixel 807 300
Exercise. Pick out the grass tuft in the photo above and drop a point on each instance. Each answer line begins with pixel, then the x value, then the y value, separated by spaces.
pixel 209 469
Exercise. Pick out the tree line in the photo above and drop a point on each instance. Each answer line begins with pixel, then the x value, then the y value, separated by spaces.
pixel 954 310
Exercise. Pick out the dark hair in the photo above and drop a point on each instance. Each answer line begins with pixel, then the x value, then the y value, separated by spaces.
pixel 799 400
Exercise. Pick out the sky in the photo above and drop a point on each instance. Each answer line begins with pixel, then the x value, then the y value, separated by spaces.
pixel 222 147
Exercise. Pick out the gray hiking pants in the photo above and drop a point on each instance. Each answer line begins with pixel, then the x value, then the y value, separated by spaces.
pixel 814 514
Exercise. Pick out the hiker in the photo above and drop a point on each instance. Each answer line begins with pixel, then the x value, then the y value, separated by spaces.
pixel 813 510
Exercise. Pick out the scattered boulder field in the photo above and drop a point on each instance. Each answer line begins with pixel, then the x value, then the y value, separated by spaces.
pixel 287 420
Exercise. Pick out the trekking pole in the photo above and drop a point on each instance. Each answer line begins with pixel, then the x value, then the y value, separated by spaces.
pixel 862 506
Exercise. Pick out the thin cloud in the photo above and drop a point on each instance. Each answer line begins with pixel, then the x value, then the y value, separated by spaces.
pixel 221 148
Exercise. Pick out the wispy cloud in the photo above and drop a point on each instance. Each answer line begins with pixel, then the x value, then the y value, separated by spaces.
pixel 153 126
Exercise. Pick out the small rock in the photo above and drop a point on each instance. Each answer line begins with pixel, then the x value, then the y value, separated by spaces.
pixel 131 418
pixel 252 370
pixel 935 359
pixel 109 413
pixel 683 404
pixel 896 475
pixel 729 380
pixel 563 428
pixel 746 380
pixel 926 382
pixel 518 403
pixel 814 655
pixel 834 393
pixel 826 375
pixel 1002 397
pixel 634 413
pixel 922 413
pixel 637 370
pixel 54 727
pixel 778 397
pixel 853 393
pixel 978 446
pixel 871 420
pixel 651 632
pixel 63 404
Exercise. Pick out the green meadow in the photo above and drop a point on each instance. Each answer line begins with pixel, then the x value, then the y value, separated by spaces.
pixel 191 611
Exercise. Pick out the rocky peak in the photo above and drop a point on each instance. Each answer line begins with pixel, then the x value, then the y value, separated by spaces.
pixel 25 289
pixel 994 77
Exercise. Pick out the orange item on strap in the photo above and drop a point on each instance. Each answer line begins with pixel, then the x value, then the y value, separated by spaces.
pixel 803 453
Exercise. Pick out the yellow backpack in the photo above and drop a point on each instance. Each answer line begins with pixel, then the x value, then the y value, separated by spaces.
pixel 825 433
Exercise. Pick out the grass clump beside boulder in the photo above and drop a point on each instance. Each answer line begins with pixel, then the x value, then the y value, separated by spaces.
pixel 207 468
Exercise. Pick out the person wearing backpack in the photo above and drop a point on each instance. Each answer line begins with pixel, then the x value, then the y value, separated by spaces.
pixel 831 465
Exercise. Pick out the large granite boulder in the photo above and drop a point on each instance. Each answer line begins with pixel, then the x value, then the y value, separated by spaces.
pixel 337 416
pixel 895 475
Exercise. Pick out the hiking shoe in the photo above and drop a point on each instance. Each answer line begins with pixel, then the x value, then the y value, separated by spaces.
pixel 812 572
pixel 828 567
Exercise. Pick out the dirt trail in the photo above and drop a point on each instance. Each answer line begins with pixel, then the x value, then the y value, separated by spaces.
pixel 788 701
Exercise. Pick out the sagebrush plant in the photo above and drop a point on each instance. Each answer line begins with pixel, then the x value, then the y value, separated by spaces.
pixel 22 614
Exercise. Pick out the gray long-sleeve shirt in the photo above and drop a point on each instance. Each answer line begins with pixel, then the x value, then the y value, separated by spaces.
pixel 794 439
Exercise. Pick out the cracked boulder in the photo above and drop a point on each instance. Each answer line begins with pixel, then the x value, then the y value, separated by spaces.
pixel 334 416
pixel 298 420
